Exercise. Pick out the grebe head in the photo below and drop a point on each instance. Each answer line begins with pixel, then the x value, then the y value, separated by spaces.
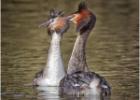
pixel 83 18
pixel 56 23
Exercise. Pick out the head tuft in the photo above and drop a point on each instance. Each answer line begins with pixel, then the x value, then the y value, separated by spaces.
pixel 55 13
pixel 82 6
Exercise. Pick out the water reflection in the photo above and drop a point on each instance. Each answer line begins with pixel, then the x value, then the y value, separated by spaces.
pixel 52 93
pixel 48 93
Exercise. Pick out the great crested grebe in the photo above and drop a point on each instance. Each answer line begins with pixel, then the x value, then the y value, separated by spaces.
pixel 79 79
pixel 54 69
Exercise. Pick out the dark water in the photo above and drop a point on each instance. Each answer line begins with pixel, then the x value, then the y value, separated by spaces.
pixel 112 49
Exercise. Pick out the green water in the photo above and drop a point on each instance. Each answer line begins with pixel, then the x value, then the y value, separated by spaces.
pixel 112 49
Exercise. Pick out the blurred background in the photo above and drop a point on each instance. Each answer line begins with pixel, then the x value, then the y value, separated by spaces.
pixel 112 48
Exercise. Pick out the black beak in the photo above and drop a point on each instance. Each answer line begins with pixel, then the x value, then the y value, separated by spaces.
pixel 70 17
pixel 45 24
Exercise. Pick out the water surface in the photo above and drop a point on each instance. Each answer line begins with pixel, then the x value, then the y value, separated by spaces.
pixel 112 49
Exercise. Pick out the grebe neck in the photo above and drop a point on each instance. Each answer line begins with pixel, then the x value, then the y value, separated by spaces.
pixel 77 61
pixel 54 70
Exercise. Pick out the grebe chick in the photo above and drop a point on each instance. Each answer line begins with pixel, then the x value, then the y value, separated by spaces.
pixel 54 71
pixel 79 79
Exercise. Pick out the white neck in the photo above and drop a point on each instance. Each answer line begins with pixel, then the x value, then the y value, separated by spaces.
pixel 54 70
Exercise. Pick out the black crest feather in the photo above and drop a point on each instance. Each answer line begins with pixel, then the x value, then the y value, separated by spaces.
pixel 55 13
pixel 82 5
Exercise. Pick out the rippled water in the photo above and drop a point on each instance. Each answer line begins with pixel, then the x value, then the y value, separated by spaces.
pixel 112 49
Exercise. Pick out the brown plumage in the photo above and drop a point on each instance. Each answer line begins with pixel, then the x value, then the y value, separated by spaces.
pixel 57 22
pixel 60 25
pixel 83 18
